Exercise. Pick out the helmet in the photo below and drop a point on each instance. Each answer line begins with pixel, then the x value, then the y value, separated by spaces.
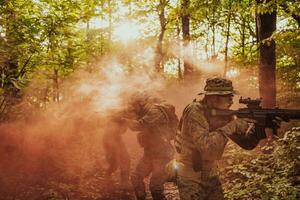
pixel 218 86
pixel 137 102
pixel 139 98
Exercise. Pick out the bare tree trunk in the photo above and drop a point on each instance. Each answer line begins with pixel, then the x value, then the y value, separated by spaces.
pixel 109 20
pixel 55 86
pixel 213 27
pixel 213 45
pixel 207 31
pixel 45 96
pixel 185 18
pixel 163 24
pixel 266 24
pixel 179 57
pixel 227 38
pixel 243 35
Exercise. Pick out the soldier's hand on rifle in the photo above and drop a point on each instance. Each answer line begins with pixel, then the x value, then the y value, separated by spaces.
pixel 238 125
pixel 277 122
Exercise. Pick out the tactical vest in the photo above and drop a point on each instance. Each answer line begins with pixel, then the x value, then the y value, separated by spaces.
pixel 171 127
pixel 214 123
pixel 156 139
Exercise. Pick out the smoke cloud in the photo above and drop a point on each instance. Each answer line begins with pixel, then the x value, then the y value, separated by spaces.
pixel 64 139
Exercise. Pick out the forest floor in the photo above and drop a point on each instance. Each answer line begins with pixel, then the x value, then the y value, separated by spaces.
pixel 93 187
pixel 51 183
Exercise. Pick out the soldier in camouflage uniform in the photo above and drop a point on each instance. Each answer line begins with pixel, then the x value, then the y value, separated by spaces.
pixel 151 123
pixel 201 140
pixel 116 153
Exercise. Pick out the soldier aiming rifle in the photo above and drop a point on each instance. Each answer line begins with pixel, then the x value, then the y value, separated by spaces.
pixel 206 126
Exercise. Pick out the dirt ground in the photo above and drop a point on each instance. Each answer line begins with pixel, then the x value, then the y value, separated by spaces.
pixel 93 187
pixel 52 184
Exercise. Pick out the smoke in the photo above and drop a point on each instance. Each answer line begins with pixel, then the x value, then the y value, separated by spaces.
pixel 64 139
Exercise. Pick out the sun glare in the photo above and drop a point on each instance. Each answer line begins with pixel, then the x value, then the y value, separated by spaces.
pixel 232 73
pixel 127 31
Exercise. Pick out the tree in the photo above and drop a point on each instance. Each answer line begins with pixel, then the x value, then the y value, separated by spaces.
pixel 266 25
pixel 163 25
pixel 185 19
pixel 43 41
pixel 229 10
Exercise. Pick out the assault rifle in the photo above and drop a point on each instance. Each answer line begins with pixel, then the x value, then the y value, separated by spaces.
pixel 264 117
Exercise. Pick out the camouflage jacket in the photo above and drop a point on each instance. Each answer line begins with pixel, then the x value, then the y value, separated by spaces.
pixel 152 127
pixel 198 131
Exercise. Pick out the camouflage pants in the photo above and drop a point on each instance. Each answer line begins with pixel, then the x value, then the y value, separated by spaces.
pixel 117 157
pixel 145 167
pixel 206 188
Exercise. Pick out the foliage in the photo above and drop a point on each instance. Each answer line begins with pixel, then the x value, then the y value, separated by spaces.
pixel 39 36
pixel 273 174
pixel 288 59
pixel 51 38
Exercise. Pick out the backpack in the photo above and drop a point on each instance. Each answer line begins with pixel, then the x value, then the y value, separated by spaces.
pixel 172 120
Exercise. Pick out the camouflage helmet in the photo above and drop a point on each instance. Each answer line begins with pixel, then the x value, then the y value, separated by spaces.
pixel 139 98
pixel 218 86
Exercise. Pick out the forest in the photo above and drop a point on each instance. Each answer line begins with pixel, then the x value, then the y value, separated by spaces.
pixel 66 65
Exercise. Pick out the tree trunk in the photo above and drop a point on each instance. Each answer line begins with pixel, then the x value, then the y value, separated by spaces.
pixel 109 20
pixel 179 57
pixel 266 25
pixel 227 38
pixel 207 30
pixel 213 44
pixel 185 19
pixel 55 86
pixel 159 52
pixel 243 35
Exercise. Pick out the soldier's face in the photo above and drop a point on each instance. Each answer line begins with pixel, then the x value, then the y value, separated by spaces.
pixel 220 101
pixel 224 101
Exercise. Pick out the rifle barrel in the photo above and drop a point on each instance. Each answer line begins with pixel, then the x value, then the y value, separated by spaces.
pixel 257 112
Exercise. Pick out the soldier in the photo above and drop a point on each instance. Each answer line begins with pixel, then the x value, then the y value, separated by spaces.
pixel 116 153
pixel 201 140
pixel 155 121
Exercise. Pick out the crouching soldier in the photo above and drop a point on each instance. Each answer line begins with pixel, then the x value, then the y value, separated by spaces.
pixel 116 153
pixel 156 124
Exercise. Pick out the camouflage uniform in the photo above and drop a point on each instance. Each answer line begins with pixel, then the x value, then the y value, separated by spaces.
pixel 116 153
pixel 201 142
pixel 151 124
